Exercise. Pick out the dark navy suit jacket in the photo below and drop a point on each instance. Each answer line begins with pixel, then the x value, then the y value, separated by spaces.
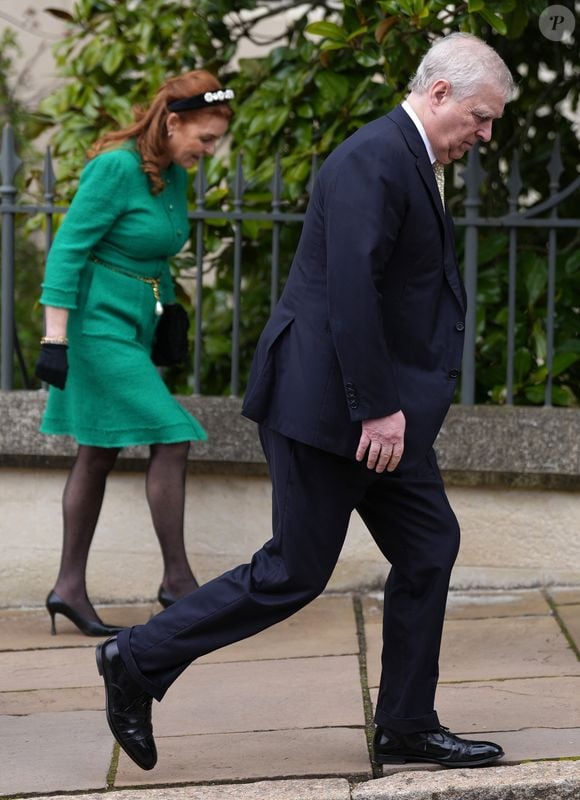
pixel 371 318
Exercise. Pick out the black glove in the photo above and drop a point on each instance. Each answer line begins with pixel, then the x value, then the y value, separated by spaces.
pixel 52 364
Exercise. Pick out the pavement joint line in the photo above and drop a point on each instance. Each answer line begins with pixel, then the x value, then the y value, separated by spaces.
pixel 113 766
pixel 364 682
pixel 263 730
pixel 507 680
pixel 562 624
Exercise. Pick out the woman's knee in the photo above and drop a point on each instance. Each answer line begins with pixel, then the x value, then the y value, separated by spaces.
pixel 175 452
pixel 98 459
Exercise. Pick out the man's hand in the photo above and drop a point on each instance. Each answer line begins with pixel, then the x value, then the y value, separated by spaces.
pixel 383 438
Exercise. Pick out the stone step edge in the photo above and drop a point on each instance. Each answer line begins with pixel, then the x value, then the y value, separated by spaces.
pixel 541 780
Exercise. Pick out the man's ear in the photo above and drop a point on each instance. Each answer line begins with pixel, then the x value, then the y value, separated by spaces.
pixel 440 92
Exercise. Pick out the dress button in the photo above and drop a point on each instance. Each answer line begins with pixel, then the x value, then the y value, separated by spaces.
pixel 459 326
pixel 171 206
pixel 453 373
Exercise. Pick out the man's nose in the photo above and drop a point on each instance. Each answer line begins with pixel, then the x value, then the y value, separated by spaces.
pixel 483 132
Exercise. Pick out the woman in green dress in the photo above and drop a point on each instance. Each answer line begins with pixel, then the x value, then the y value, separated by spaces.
pixel 106 281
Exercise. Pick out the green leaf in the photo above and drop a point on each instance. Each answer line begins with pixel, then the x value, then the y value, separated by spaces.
pixel 366 59
pixel 330 45
pixel 495 21
pixel 329 29
pixel 522 364
pixel 535 394
pixel 573 262
pixel 251 228
pixel 536 279
pixel 358 32
pixel 113 58
pixel 563 396
pixel 305 111
pixel 475 5
pixel 562 361
pixel 333 86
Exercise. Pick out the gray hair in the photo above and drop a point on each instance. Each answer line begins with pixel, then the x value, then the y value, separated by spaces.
pixel 467 63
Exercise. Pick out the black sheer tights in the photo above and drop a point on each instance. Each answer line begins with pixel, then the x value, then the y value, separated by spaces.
pixel 165 487
pixel 82 501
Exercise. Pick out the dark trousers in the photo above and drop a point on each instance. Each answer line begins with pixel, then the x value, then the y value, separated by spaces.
pixel 314 494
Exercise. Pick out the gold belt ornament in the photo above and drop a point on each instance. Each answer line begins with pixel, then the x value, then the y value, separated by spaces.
pixel 154 283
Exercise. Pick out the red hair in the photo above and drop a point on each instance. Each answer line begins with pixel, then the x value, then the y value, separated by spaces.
pixel 149 127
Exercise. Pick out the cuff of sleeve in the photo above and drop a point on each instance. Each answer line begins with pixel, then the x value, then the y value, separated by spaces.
pixel 59 298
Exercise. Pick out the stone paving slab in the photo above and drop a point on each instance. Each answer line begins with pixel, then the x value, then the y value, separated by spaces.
pixel 562 595
pixel 247 756
pixel 570 616
pixel 476 604
pixel 478 708
pixel 486 649
pixel 480 604
pixel 517 647
pixel 536 744
pixel 327 626
pixel 262 695
pixel 29 629
pixel 558 780
pixel 41 701
pixel 528 703
pixel 48 669
pixel 313 789
pixel 525 725
pixel 54 752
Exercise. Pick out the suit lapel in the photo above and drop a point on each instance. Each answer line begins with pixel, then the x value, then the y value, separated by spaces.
pixel 425 170
pixel 416 146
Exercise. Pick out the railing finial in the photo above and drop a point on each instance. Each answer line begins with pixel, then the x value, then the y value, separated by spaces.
pixel 48 177
pixel 9 161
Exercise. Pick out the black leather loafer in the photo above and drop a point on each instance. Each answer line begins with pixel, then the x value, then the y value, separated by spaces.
pixel 128 707
pixel 438 746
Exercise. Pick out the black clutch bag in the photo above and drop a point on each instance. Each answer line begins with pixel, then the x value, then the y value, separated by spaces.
pixel 170 346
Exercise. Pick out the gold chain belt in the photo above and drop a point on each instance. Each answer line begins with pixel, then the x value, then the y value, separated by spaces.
pixel 154 283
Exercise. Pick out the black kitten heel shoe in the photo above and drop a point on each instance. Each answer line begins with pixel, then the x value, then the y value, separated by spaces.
pixel 56 605
pixel 166 599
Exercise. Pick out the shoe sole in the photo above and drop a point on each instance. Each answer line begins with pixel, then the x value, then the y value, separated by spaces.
pixel 449 764
pixel 101 669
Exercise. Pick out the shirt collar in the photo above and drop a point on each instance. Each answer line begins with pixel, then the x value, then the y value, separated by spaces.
pixel 419 125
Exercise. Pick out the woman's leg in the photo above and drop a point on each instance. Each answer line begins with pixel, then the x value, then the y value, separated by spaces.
pixel 81 504
pixel 165 487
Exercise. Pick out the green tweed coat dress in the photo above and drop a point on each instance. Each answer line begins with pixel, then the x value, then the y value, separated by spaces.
pixel 115 235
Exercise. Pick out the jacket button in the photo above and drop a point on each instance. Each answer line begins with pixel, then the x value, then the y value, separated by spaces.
pixel 459 326
pixel 453 373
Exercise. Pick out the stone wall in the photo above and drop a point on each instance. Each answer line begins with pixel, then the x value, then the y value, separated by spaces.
pixel 513 477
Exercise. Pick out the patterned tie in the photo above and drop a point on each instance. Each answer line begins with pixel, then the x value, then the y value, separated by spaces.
pixel 440 178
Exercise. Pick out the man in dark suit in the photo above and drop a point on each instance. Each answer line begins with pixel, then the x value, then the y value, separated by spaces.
pixel 351 380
